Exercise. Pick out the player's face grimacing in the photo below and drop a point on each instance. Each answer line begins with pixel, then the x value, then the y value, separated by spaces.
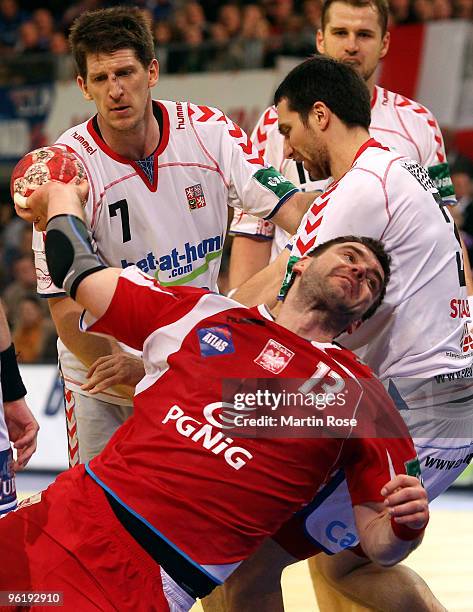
pixel 353 35
pixel 120 87
pixel 347 278
pixel 301 142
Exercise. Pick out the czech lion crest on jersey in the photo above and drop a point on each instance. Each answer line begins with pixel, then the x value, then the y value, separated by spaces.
pixel 195 197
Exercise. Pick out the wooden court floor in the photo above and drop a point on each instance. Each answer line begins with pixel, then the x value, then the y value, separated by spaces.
pixel 445 561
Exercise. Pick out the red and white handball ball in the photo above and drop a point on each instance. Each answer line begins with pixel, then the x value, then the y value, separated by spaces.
pixel 40 166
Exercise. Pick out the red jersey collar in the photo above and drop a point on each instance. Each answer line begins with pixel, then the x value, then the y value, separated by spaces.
pixel 371 142
pixel 119 158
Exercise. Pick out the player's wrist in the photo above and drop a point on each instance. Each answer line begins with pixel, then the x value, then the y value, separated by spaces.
pixel 405 533
pixel 11 381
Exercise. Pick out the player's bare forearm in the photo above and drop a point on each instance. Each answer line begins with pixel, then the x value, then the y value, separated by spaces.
pixel 405 505
pixel 263 288
pixel 120 371
pixel 249 255
pixel 86 347
pixel 289 216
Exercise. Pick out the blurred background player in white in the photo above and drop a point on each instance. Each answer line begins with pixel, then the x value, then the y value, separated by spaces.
pixel 354 32
pixel 135 527
pixel 418 341
pixel 161 175
pixel 17 424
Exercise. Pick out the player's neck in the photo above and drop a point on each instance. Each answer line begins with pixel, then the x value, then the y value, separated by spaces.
pixel 343 147
pixel 371 84
pixel 309 322
pixel 137 142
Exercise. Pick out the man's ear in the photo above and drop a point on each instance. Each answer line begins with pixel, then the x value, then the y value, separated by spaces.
pixel 301 265
pixel 153 73
pixel 319 41
pixel 320 115
pixel 83 87
pixel 385 45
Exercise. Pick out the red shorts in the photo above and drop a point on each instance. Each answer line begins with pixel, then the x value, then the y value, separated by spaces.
pixel 71 542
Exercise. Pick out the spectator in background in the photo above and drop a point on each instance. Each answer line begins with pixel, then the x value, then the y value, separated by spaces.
pixel 28 38
pixel 11 18
pixel 223 53
pixel 400 12
pixel 311 17
pixel 463 9
pixel 23 284
pixel 44 21
pixel 58 45
pixel 193 55
pixel 162 35
pixel 442 9
pixel 77 9
pixel 34 335
pixel 195 17
pixel 423 10
pixel 230 18
pixel 253 37
pixel 13 236
pixel 279 12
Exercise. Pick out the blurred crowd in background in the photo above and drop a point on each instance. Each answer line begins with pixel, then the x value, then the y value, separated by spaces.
pixel 194 36
pixel 190 36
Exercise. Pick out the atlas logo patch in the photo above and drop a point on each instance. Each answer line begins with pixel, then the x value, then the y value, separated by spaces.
pixel 215 341
pixel 274 357
pixel 195 197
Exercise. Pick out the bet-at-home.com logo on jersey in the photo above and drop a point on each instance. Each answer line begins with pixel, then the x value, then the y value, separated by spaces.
pixel 183 265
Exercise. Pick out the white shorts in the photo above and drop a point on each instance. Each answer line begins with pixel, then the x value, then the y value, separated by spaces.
pixel 90 424
pixel 443 437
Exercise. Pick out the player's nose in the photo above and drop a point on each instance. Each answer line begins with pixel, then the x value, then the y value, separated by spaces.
pixel 351 44
pixel 115 87
pixel 359 271
pixel 288 151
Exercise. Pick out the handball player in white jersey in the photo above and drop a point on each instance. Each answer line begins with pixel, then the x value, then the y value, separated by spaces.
pixel 354 32
pixel 418 342
pixel 161 176
pixel 17 424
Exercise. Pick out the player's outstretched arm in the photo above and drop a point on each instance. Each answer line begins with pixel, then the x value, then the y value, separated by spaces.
pixel 248 256
pixel 21 424
pixel 70 258
pixel 264 286
pixel 290 215
pixel 389 532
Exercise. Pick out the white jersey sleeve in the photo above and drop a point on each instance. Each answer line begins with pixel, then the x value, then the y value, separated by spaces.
pixel 411 129
pixel 254 185
pixel 270 144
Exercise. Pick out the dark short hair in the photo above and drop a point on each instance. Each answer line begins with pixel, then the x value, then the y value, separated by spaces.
pixel 380 6
pixel 323 79
pixel 378 250
pixel 108 30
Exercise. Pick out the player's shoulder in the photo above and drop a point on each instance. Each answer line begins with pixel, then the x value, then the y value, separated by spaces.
pixel 349 360
pixel 80 139
pixel 266 127
pixel 408 109
pixel 372 165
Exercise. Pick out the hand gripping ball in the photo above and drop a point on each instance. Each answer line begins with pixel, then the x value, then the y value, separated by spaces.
pixel 40 166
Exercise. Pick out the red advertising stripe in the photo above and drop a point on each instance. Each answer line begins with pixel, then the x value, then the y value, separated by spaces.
pixel 401 68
